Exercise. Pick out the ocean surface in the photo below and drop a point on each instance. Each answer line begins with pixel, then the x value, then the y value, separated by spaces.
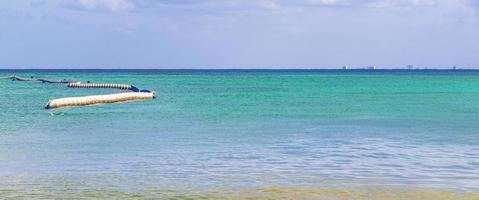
pixel 267 134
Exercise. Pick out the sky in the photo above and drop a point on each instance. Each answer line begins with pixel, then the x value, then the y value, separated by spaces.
pixel 262 34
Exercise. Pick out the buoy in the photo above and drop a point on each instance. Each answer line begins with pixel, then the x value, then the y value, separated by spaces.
pixel 98 99
pixel 100 85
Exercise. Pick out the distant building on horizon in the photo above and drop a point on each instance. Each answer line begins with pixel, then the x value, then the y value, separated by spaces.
pixel 345 67
pixel 410 67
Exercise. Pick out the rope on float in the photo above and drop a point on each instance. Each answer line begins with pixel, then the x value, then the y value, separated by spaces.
pixel 44 80
pixel 6 77
pixel 106 85
pixel 100 85
pixel 18 78
pixel 78 84
pixel 98 99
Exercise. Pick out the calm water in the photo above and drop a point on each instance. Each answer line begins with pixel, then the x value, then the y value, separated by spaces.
pixel 229 131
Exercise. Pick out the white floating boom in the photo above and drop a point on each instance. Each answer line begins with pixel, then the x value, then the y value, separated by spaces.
pixel 98 99
pixel 100 85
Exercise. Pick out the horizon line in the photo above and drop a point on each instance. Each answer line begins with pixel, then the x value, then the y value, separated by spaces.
pixel 257 69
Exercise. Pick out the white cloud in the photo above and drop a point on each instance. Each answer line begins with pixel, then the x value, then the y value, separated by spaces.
pixel 242 5
pixel 97 5
pixel 402 3
pixel 329 2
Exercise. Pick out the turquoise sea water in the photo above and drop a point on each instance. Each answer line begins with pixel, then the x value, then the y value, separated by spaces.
pixel 227 131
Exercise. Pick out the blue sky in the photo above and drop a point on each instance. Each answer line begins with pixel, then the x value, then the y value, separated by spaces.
pixel 238 33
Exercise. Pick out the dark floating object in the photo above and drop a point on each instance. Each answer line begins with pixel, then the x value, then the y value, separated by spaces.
pixel 43 80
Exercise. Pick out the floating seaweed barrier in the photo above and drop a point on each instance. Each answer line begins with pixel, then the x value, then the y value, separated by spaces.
pixel 43 80
pixel 98 99
pixel 135 94
pixel 100 85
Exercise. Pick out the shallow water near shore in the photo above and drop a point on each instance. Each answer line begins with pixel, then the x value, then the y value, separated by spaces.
pixel 245 134
pixel 70 189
